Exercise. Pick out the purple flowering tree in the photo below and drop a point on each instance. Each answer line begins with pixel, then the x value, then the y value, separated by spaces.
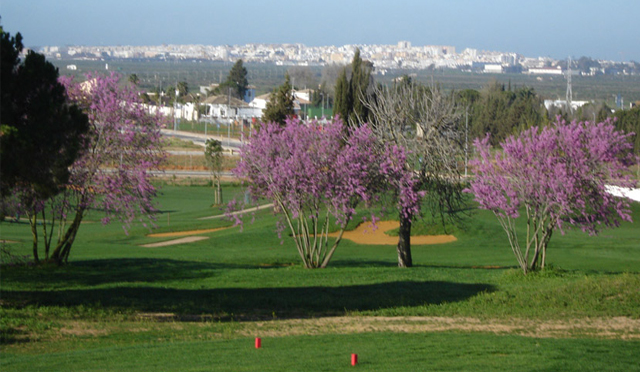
pixel 112 172
pixel 313 172
pixel 557 177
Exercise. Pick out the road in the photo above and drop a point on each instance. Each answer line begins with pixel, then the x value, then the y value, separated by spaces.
pixel 229 144
pixel 188 173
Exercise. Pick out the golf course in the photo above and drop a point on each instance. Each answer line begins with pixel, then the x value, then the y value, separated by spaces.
pixel 193 294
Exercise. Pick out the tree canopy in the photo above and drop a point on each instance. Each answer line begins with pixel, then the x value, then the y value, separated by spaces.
pixel 423 121
pixel 280 104
pixel 559 175
pixel 236 82
pixel 41 131
pixel 501 111
pixel 214 158
pixel 629 122
pixel 350 93
pixel 111 172
pixel 311 172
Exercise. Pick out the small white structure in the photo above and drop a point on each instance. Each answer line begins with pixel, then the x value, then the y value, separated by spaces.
pixel 549 103
pixel 260 102
pixel 546 71
pixel 493 69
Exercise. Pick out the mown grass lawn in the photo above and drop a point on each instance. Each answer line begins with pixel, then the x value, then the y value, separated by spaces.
pixel 196 306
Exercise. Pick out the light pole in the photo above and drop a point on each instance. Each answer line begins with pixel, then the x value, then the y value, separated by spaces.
pixel 175 103
pixel 466 140
pixel 229 116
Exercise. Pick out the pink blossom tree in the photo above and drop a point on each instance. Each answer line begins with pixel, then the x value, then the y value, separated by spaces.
pixel 557 176
pixel 123 144
pixel 313 172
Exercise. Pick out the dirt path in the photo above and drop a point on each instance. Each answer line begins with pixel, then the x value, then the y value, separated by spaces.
pixel 185 233
pixel 188 239
pixel 264 206
pixel 619 327
pixel 365 234
pixel 612 328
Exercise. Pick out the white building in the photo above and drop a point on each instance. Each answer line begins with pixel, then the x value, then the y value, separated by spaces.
pixel 546 71
pixel 493 69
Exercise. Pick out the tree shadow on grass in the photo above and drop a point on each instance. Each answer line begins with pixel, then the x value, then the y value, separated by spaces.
pixel 122 270
pixel 257 303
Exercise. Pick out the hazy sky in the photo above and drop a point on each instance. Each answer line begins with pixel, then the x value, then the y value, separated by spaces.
pixel 556 28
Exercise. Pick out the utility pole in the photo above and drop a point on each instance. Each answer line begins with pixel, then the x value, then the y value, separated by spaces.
pixel 228 116
pixel 569 97
pixel 466 140
pixel 175 103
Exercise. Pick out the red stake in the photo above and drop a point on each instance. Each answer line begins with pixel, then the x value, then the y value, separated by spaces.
pixel 258 343
pixel 354 359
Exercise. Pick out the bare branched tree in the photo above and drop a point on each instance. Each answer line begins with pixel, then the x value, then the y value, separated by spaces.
pixel 426 121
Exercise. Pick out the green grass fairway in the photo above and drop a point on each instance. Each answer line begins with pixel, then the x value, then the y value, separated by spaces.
pixel 196 307
pixel 376 352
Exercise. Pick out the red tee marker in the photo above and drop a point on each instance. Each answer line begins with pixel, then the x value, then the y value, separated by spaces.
pixel 354 359
pixel 258 343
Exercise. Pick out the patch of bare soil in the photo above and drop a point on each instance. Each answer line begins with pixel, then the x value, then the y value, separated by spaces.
pixel 188 239
pixel 365 233
pixel 81 329
pixel 185 233
pixel 615 328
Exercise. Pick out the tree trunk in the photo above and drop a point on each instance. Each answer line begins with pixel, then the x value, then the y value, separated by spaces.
pixel 219 191
pixel 327 258
pixel 404 243
pixel 60 254
pixel 33 220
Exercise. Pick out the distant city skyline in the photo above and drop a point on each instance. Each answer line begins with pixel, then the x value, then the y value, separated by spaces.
pixel 558 29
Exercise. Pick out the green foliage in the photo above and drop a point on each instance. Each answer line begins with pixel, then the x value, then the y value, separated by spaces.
pixel 280 104
pixel 41 131
pixel 628 121
pixel 134 79
pixel 214 158
pixel 236 82
pixel 349 93
pixel 183 88
pixel 342 97
pixel 501 111
pixel 359 88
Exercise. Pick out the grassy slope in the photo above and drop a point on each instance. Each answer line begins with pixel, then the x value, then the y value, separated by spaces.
pixel 249 275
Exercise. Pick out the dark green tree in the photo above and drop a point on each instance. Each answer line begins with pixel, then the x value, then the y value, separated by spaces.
pixel 350 93
pixel 237 81
pixel 41 131
pixel 629 122
pixel 134 79
pixel 342 103
pixel 214 158
pixel 359 88
pixel 280 104
pixel 500 111
pixel 183 88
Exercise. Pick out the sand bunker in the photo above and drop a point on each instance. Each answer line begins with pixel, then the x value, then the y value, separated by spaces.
pixel 188 239
pixel 185 233
pixel 365 234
